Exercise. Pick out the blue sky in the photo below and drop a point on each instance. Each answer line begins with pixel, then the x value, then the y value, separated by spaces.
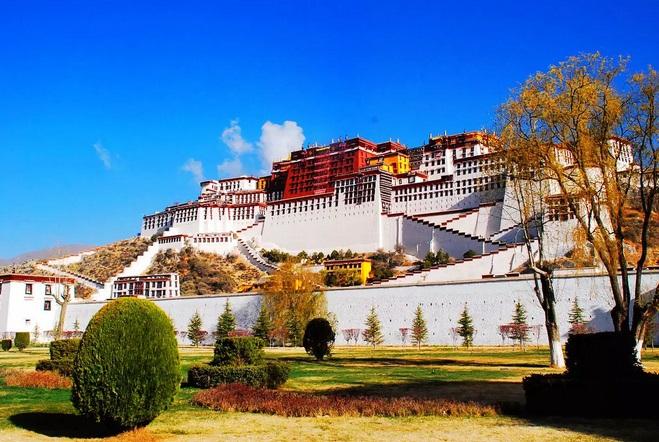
pixel 103 104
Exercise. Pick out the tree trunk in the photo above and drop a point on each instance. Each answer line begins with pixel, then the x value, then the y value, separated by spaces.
pixel 62 317
pixel 553 334
pixel 642 317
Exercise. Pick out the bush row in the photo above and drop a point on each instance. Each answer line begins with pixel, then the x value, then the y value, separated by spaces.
pixel 61 366
pixel 270 375
pixel 38 379
pixel 64 349
pixel 254 400
pixel 561 395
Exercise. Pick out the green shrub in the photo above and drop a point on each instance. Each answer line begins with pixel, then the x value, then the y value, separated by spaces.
pixel 318 338
pixel 61 366
pixel 126 371
pixel 22 340
pixel 64 349
pixel 6 344
pixel 270 375
pixel 239 350
pixel 276 374
pixel 601 355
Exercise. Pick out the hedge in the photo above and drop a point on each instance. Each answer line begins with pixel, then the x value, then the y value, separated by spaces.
pixel 126 371
pixel 22 340
pixel 561 395
pixel 601 355
pixel 270 375
pixel 61 366
pixel 239 350
pixel 64 349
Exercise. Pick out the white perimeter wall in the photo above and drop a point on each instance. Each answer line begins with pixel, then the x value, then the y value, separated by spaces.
pixel 490 304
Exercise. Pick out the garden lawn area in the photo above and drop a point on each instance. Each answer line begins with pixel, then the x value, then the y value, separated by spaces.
pixel 491 375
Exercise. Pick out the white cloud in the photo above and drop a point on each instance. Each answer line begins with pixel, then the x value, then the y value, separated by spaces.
pixel 232 137
pixel 195 168
pixel 278 140
pixel 230 168
pixel 104 155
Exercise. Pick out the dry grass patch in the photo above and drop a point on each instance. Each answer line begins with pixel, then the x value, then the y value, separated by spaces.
pixel 240 398
pixel 137 435
pixel 36 379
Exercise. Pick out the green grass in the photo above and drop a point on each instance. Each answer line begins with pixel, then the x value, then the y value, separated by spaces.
pixel 490 375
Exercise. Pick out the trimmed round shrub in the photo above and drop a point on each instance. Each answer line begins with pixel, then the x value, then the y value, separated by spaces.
pixel 22 340
pixel 126 371
pixel 318 338
pixel 239 350
pixel 6 344
pixel 601 355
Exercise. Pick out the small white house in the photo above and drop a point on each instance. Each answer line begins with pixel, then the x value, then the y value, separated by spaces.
pixel 27 304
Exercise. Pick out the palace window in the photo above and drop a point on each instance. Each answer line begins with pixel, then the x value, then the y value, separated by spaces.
pixel 47 305
pixel 49 290
pixel 28 289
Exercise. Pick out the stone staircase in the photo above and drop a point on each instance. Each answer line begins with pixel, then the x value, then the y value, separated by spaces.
pixel 253 256
pixel 498 263
pixel 81 279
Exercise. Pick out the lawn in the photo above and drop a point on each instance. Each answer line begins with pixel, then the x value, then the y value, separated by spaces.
pixel 490 375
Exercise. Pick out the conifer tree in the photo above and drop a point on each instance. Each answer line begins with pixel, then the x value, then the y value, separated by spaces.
pixel 194 329
pixel 576 316
pixel 373 332
pixel 263 326
pixel 466 328
pixel 76 326
pixel 521 330
pixel 226 323
pixel 294 329
pixel 419 328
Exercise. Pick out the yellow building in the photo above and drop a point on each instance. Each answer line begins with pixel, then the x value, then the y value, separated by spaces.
pixel 392 162
pixel 361 266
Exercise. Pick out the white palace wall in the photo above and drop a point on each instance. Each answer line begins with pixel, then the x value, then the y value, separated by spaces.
pixel 490 303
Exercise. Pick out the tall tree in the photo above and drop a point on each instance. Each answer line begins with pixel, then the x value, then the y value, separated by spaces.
pixel 226 323
pixel 195 334
pixel 62 295
pixel 419 328
pixel 465 328
pixel 570 119
pixel 372 334
pixel 263 326
pixel 294 292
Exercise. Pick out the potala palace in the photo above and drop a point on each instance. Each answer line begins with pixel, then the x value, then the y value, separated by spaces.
pixel 449 194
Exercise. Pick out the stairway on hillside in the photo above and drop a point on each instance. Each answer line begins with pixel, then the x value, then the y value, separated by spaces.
pixel 253 256
pixel 81 279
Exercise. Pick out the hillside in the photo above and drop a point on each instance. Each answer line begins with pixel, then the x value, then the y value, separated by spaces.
pixel 110 259
pixel 206 273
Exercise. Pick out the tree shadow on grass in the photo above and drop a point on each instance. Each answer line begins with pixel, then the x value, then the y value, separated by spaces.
pixel 509 394
pixel 61 425
pixel 417 362
pixel 509 399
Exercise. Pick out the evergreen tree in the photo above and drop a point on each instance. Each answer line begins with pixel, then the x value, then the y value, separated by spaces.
pixel 576 316
pixel 226 323
pixel 521 330
pixel 294 330
pixel 76 326
pixel 373 332
pixel 263 326
pixel 194 330
pixel 466 328
pixel 419 328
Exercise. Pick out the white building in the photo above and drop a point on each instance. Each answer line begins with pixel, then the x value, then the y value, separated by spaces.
pixel 27 303
pixel 164 285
